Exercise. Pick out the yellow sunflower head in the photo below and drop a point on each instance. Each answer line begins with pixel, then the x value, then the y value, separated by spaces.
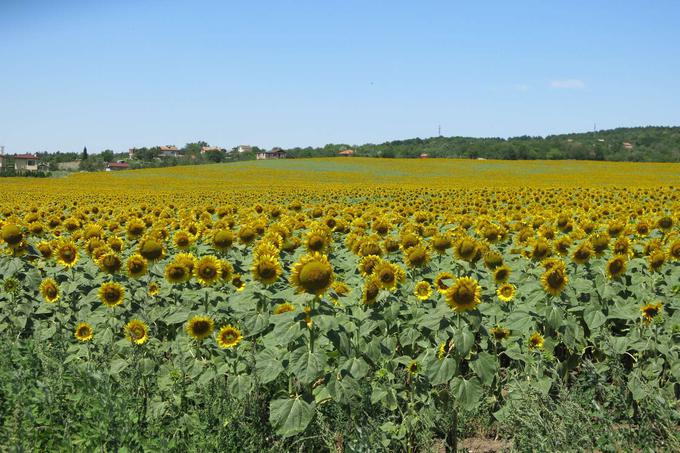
pixel 506 292
pixel 284 308
pixel 313 274
pixel 200 327
pixel 554 280
pixel 228 337
pixel 500 333
pixel 443 281
pixel 109 262
pixel 416 256
pixel 650 311
pixel 136 266
pixel 151 249
pixel 656 260
pixel 423 290
pixel 137 332
pixel 536 341
pixel 154 288
pixel 207 270
pixel 368 263
pixel 11 234
pixel 223 239
pixel 67 254
pixel 111 294
pixel 182 239
pixel 176 273
pixel 501 274
pixel 388 274
pixel 616 266
pixel 49 290
pixel 267 269
pixel 371 290
pixel 466 249
pixel 464 295
pixel 83 332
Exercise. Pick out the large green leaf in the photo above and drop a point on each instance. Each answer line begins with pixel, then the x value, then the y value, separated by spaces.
pixel 485 367
pixel 267 366
pixel 468 393
pixel 440 371
pixel 307 366
pixel 290 416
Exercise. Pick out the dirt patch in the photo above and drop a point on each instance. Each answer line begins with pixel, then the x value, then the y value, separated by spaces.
pixel 482 445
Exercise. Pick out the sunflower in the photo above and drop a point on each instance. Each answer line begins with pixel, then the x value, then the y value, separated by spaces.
pixel 177 273
pixel 222 240
pixel 536 341
pixel 207 270
pixel 11 235
pixel 616 266
pixel 49 290
pixel 600 242
pixel 371 290
pixel 151 249
pixel 441 281
pixel 83 332
pixel 136 266
pixel 266 269
pixel 416 256
pixel 493 259
pixel 554 280
pixel 227 270
pixel 464 295
pixel 317 241
pixel 583 253
pixel 340 288
pixel 238 282
pixel 109 263
pixel 200 327
pixel 153 289
pixel 650 311
pixel 441 243
pixel 501 274
pixel 674 250
pixel 67 254
pixel 413 367
pixel 656 259
pixel 500 333
pixel 182 239
pixel 135 228
pixel 388 274
pixel 313 274
pixel 506 292
pixel 45 249
pixel 228 337
pixel 247 234
pixel 423 290
pixel 368 263
pixel 111 294
pixel 466 249
pixel 284 308
pixel 137 332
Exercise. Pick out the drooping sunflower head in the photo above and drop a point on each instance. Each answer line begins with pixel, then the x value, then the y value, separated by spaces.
pixel 423 290
pixel 49 290
pixel 501 274
pixel 223 239
pixel 284 307
pixel 536 341
pixel 182 239
pixel 111 294
pixel 583 253
pixel 267 269
pixel 136 266
pixel 500 333
pixel 151 249
pixel 562 245
pixel 200 327
pixel 554 280
pixel 135 228
pixel 45 249
pixel 313 274
pixel 656 259
pixel 466 248
pixel 674 250
pixel 11 234
pixel 621 246
pixel 316 241
pixel 247 234
pixel 541 249
pixel 371 290
pixel 340 288
pixel 109 262
pixel 665 223
pixel 228 337
pixel 67 254
pixel 616 266
pixel 137 332
pixel 506 292
pixel 600 242
pixel 416 256
pixel 227 270
pixel 443 281
pixel 207 270
pixel 493 259
pixel 83 332
pixel 441 243
pixel 464 295
pixel 650 311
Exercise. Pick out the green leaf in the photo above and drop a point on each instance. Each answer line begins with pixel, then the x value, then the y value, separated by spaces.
pixel 594 318
pixel 178 317
pixel 241 385
pixel 117 366
pixel 440 371
pixel 267 366
pixel 464 340
pixel 290 416
pixel 554 316
pixel 344 389
pixel 307 366
pixel 468 393
pixel 485 367
pixel 356 366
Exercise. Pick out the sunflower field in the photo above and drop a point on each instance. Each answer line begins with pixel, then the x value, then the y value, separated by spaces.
pixel 355 304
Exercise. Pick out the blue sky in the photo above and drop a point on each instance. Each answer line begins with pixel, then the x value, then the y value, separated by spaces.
pixel 285 73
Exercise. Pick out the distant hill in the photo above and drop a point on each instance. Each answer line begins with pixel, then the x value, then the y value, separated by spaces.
pixel 636 144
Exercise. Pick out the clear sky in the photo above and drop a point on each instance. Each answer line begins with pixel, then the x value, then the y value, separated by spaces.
pixel 125 73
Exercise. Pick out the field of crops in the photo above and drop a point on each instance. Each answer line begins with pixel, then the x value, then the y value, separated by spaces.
pixel 342 304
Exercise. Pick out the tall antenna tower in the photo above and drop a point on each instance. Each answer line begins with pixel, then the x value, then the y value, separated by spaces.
pixel 439 130
pixel 2 150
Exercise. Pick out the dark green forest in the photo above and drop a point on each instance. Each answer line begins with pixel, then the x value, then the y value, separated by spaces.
pixel 637 144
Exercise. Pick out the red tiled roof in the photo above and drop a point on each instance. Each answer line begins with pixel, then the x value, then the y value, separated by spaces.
pixel 25 156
